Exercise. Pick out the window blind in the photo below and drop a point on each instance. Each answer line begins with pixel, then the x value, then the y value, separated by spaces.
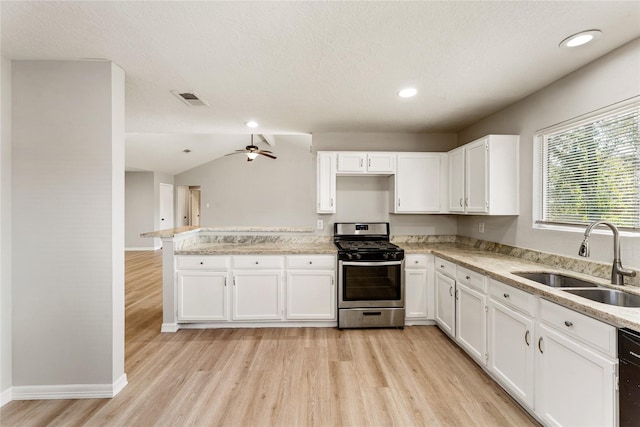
pixel 591 170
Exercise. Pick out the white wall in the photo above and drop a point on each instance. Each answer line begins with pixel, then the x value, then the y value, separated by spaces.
pixel 68 223
pixel 5 230
pixel 610 79
pixel 282 192
pixel 140 209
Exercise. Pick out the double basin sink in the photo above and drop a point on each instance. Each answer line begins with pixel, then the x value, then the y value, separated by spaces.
pixel 583 288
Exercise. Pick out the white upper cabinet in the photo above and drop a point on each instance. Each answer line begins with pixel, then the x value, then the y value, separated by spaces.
pixel 326 183
pixel 417 184
pixel 355 162
pixel 484 176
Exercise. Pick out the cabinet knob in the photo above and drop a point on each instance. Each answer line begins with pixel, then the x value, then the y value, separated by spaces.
pixel 505 295
pixel 568 324
pixel 310 262
pixel 468 277
pixel 441 265
pixel 257 263
pixel 416 261
pixel 201 263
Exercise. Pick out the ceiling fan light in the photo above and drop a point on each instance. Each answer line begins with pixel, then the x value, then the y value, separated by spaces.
pixel 252 155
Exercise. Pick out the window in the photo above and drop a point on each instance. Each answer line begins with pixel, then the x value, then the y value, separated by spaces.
pixel 590 169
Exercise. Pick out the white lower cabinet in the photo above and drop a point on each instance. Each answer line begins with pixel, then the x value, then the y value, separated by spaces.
pixel 311 295
pixel 511 351
pixel 471 322
pixel 257 294
pixel 576 384
pixel 418 275
pixel 202 295
pixel 445 288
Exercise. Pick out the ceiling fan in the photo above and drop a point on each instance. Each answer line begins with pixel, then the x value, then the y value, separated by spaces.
pixel 252 152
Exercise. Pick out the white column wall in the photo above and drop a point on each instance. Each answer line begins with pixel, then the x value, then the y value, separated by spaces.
pixel 5 231
pixel 68 231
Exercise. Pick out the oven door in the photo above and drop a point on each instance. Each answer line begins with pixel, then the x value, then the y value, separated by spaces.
pixel 370 284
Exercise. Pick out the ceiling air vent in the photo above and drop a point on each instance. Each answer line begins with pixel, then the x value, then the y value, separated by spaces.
pixel 190 98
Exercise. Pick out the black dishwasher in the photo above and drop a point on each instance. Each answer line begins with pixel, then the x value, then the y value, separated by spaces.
pixel 629 355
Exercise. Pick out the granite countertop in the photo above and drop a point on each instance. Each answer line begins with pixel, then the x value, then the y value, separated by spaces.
pixel 500 267
pixel 173 232
pixel 253 248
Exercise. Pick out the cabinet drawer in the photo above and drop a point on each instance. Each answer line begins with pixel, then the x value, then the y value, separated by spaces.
pixel 258 261
pixel 446 267
pixel 311 261
pixel 593 332
pixel 416 261
pixel 195 262
pixel 510 296
pixel 471 279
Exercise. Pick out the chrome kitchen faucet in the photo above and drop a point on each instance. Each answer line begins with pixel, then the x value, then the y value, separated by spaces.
pixel 617 271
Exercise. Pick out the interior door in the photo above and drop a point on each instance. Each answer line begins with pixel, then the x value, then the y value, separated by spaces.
pixel 194 207
pixel 166 206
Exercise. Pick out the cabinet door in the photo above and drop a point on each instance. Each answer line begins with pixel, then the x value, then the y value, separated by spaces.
pixel 471 322
pixel 202 295
pixel 256 295
pixel 415 293
pixel 445 304
pixel 351 162
pixel 476 181
pixel 326 183
pixel 511 351
pixel 381 162
pixel 311 295
pixel 417 183
pixel 456 180
pixel 575 386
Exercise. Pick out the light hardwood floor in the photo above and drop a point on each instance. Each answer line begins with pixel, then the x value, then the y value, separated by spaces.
pixel 279 376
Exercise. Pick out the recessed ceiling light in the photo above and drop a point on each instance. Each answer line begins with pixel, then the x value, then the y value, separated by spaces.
pixel 407 92
pixel 580 38
pixel 251 124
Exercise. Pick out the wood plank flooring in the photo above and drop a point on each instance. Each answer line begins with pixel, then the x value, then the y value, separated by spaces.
pixel 279 376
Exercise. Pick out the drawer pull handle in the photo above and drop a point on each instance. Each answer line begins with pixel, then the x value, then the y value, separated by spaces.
pixel 540 345
pixel 568 324
pixel 506 295
pixel 450 290
pixel 372 313
pixel 526 338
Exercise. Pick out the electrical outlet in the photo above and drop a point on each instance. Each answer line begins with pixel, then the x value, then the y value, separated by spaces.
pixel 320 224
pixel 481 227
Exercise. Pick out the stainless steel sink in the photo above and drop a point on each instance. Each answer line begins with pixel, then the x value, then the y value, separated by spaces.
pixel 555 280
pixel 608 296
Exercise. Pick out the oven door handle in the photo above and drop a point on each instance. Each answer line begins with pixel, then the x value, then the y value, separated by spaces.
pixel 371 264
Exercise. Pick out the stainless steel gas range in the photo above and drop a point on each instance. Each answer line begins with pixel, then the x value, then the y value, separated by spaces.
pixel 370 276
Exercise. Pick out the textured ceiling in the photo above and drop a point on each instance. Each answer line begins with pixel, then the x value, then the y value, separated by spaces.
pixel 303 67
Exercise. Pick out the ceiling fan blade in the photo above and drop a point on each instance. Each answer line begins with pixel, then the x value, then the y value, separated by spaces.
pixel 266 151
pixel 267 155
pixel 237 152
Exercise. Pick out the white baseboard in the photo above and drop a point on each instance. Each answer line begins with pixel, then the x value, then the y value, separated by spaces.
pixel 148 248
pixel 169 327
pixel 6 397
pixel 69 391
